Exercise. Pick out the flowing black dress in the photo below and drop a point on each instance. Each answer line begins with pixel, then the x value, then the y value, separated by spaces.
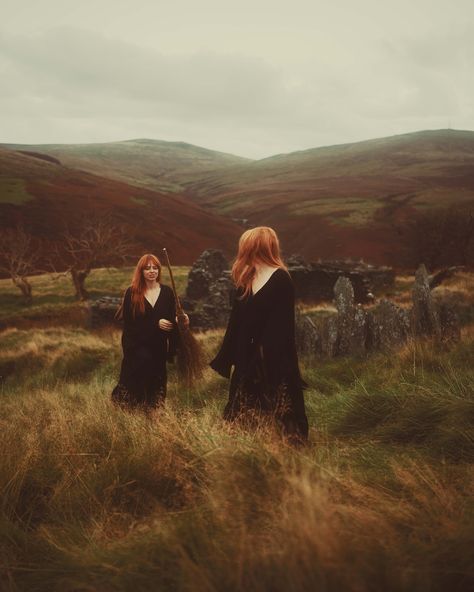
pixel 146 349
pixel 260 343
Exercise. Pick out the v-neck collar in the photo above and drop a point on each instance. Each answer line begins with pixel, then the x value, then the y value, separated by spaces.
pixel 156 301
pixel 261 287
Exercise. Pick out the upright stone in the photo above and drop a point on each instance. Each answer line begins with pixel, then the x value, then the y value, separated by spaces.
pixel 308 339
pixel 329 336
pixel 449 322
pixel 424 317
pixel 359 332
pixel 344 298
pixel 388 327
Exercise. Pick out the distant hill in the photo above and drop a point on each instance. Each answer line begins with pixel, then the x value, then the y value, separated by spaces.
pixel 45 195
pixel 156 164
pixel 350 200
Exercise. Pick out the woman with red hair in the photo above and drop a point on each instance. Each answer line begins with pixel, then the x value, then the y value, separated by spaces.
pixel 148 339
pixel 259 342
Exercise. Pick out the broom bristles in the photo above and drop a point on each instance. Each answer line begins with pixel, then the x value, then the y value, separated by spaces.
pixel 190 355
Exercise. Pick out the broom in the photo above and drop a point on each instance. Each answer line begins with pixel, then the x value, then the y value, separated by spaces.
pixel 190 355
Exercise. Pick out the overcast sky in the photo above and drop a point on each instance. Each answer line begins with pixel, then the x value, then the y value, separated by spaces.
pixel 251 77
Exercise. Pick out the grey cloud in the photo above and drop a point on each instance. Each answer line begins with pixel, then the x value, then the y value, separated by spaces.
pixel 71 84
pixel 79 64
pixel 428 75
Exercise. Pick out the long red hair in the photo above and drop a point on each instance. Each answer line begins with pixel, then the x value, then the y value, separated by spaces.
pixel 138 286
pixel 257 245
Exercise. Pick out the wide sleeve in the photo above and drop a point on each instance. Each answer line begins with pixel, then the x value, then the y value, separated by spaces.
pixel 225 358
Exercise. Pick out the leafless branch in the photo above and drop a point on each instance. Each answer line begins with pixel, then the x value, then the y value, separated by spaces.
pixel 90 244
pixel 19 258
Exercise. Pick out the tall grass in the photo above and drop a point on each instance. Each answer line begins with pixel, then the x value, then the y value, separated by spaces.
pixel 95 498
pixel 423 396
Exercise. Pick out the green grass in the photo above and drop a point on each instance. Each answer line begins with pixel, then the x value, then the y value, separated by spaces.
pixel 94 498
pixel 13 191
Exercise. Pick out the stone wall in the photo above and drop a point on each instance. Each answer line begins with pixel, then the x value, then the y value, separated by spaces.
pixel 315 281
pixel 103 311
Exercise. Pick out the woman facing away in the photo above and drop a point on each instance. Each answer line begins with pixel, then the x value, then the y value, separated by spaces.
pixel 260 339
pixel 149 337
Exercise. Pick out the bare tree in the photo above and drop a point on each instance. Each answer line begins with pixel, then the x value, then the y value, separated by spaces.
pixel 18 258
pixel 91 244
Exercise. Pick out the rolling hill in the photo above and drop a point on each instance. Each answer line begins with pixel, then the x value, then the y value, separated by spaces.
pixel 45 196
pixel 159 165
pixel 350 200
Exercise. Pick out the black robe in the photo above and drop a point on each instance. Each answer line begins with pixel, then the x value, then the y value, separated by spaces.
pixel 146 349
pixel 260 343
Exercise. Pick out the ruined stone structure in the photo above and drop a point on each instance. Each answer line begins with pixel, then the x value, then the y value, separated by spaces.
pixel 315 281
pixel 209 291
pixel 354 330
pixel 206 270
pixel 214 311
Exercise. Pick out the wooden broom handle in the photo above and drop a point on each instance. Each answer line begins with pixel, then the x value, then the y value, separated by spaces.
pixel 179 308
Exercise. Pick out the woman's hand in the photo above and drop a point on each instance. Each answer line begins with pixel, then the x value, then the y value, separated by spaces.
pixel 186 320
pixel 165 325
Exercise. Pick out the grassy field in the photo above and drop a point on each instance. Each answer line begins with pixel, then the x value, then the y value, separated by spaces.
pixel 97 499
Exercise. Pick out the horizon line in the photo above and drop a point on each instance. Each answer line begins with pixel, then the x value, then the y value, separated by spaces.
pixel 183 142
